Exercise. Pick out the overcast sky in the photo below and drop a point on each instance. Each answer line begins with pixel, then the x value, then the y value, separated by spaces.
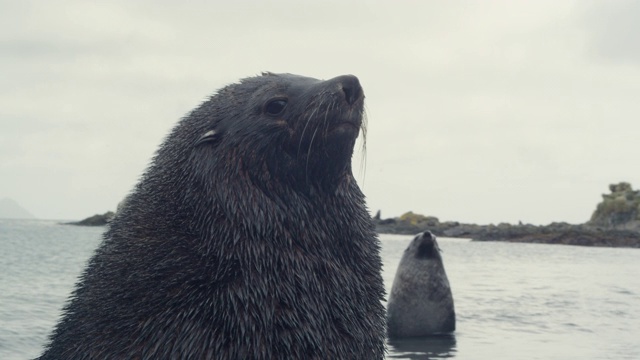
pixel 478 111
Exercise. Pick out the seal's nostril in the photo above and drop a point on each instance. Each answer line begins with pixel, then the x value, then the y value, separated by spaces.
pixel 351 94
pixel 350 87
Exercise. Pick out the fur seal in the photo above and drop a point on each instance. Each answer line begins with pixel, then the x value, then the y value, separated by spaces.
pixel 420 302
pixel 246 238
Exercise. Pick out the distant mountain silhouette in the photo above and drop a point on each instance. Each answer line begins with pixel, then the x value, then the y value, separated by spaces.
pixel 9 209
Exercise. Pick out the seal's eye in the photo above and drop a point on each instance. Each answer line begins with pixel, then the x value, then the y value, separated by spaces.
pixel 275 107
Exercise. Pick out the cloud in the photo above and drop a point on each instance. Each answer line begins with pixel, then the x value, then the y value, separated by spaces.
pixel 478 111
pixel 613 28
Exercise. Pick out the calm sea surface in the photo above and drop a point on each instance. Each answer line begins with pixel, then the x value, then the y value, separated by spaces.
pixel 513 301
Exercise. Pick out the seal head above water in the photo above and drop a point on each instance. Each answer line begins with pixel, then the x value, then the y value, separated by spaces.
pixel 420 302
pixel 246 238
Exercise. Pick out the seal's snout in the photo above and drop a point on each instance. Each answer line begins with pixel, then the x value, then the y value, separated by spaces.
pixel 428 235
pixel 350 86
pixel 427 246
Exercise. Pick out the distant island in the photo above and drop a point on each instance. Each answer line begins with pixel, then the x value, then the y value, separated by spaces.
pixel 614 223
pixel 10 209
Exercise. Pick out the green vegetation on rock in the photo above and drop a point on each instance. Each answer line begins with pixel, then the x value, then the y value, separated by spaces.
pixel 618 210
pixel 418 219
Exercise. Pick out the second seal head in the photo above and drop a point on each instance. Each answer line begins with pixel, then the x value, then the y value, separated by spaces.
pixel 420 302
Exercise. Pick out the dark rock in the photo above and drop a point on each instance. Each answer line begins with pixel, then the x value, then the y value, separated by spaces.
pixel 95 220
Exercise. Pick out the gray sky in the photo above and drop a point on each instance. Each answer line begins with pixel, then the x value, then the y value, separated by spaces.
pixel 478 111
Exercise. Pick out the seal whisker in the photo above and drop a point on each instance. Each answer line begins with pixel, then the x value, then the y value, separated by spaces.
pixel 306 168
pixel 363 148
pixel 318 107
pixel 326 120
pixel 325 124
pixel 306 124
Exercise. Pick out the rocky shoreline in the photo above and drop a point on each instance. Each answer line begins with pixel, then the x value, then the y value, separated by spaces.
pixel 555 233
pixel 614 223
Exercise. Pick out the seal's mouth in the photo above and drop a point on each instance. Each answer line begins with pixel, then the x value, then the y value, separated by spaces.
pixel 346 125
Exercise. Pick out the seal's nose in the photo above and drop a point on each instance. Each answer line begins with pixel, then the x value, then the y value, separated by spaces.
pixel 350 86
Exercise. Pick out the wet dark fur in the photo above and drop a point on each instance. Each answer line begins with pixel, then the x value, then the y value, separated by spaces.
pixel 252 242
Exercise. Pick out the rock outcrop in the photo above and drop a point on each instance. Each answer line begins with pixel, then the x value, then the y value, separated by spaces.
pixel 619 210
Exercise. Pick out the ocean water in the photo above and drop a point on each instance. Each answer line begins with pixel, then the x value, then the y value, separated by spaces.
pixel 513 301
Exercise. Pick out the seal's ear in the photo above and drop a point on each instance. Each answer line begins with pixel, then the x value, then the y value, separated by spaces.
pixel 211 136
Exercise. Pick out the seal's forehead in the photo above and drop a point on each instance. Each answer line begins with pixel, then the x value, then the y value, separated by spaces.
pixel 288 81
pixel 286 77
pixel 270 83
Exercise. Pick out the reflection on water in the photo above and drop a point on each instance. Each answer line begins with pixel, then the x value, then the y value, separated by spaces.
pixel 423 348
